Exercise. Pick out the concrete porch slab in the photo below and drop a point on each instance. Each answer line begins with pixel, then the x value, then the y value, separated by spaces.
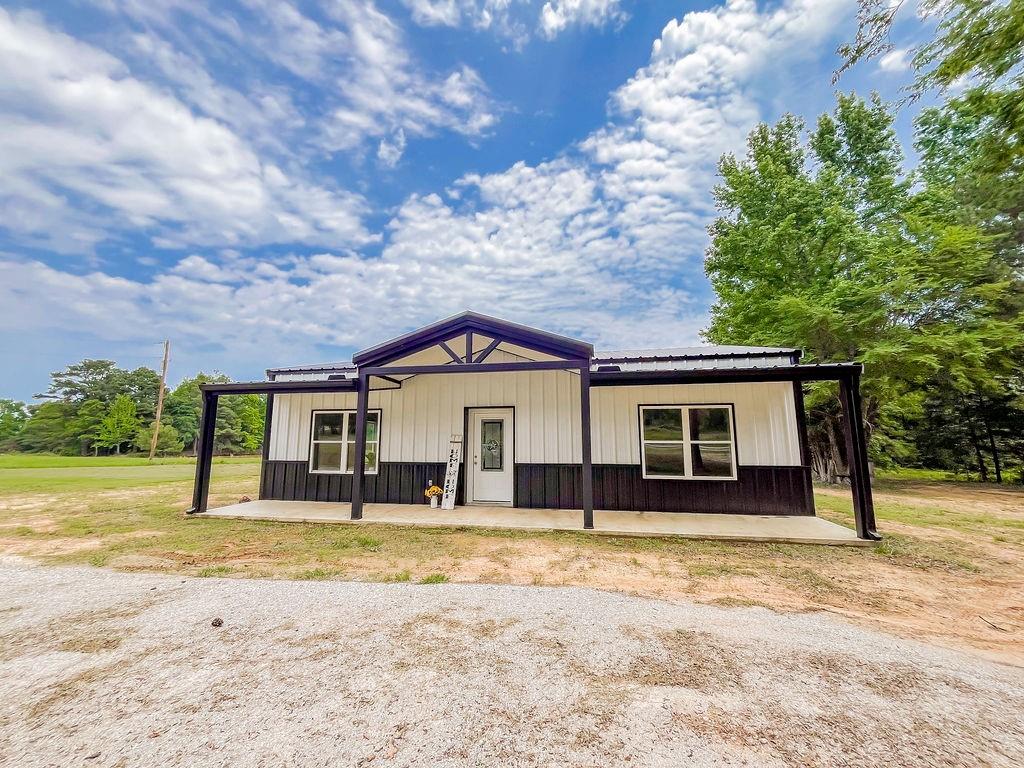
pixel 795 530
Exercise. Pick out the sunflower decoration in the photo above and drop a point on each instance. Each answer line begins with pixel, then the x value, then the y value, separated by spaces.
pixel 433 491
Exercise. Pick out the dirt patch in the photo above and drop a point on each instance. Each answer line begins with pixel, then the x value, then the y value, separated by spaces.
pixel 91 631
pixel 687 659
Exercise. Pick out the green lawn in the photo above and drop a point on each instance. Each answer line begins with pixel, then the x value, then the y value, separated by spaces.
pixel 20 473
pixel 50 461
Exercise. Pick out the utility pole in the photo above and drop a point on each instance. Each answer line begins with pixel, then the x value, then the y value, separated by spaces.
pixel 160 400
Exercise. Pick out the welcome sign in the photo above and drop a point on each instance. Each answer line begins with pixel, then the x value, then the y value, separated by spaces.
pixel 451 475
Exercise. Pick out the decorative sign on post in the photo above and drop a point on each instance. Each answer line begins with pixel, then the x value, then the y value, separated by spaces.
pixel 451 475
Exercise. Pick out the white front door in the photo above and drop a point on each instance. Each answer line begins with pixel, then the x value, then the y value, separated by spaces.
pixel 489 450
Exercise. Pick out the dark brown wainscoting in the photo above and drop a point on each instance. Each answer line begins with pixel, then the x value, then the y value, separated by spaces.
pixel 758 490
pixel 395 483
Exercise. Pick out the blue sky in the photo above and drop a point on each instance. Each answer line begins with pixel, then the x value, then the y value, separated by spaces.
pixel 268 183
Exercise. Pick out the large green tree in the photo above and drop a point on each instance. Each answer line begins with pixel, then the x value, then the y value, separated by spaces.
pixel 86 425
pixel 824 244
pixel 47 429
pixel 239 417
pixel 167 441
pixel 975 139
pixel 119 425
pixel 13 416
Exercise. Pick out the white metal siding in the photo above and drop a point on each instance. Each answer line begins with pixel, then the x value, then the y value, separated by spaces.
pixel 766 427
pixel 418 420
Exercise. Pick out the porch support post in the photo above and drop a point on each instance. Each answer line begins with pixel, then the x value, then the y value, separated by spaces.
pixel 204 453
pixel 359 470
pixel 587 480
pixel 857 457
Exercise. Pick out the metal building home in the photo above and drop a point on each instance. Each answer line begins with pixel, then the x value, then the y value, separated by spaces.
pixel 546 423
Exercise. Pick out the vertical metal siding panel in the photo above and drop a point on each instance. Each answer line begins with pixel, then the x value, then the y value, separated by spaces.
pixel 305 424
pixel 524 407
pixel 627 445
pixel 548 417
pixel 394 424
pixel 600 426
pixel 280 406
pixel 288 431
pixel 536 418
pixel 421 402
pixel 574 419
pixel 291 425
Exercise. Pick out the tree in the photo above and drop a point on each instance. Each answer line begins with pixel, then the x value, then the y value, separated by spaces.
pixel 978 44
pixel 184 406
pixel 824 245
pixel 119 425
pixel 88 380
pixel 168 441
pixel 143 386
pixel 252 410
pixel 229 434
pixel 47 429
pixel 13 416
pixel 87 424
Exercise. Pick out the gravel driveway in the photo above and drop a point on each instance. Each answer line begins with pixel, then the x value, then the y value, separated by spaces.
pixel 99 668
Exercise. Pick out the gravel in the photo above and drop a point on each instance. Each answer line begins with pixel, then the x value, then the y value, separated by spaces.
pixel 100 668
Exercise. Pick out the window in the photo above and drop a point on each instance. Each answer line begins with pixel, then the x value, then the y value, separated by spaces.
pixel 333 446
pixel 687 441
pixel 491 445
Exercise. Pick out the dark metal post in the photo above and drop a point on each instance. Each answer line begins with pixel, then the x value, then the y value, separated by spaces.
pixel 857 457
pixel 359 470
pixel 204 453
pixel 801 423
pixel 267 420
pixel 587 487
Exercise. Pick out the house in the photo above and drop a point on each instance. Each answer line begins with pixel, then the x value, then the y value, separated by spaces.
pixel 545 422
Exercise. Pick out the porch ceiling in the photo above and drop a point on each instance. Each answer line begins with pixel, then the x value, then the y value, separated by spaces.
pixel 795 530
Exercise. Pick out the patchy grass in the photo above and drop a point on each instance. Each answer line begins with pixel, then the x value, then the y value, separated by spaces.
pixel 434 578
pixel 952 553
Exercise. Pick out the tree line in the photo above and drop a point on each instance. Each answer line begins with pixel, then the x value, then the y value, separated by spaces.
pixel 825 241
pixel 93 408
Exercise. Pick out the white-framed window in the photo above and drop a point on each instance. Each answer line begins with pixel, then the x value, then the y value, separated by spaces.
pixel 687 442
pixel 333 442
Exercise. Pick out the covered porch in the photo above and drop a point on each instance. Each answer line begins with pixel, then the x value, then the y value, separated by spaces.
pixel 758 528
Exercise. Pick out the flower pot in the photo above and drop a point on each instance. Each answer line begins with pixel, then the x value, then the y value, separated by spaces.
pixel 433 502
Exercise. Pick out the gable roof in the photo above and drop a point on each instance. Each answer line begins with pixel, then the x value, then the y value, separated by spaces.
pixel 473 322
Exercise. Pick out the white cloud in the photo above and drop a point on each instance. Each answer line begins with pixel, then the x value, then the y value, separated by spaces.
pixel 516 20
pixel 390 152
pixel 87 148
pixel 596 243
pixel 384 90
pixel 895 61
pixel 369 84
pixel 557 15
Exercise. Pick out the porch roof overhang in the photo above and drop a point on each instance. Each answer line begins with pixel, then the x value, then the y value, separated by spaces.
pixel 801 373
pixel 281 387
pixel 599 378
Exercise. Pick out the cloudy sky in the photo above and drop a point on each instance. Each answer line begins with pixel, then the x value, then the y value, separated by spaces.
pixel 268 183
